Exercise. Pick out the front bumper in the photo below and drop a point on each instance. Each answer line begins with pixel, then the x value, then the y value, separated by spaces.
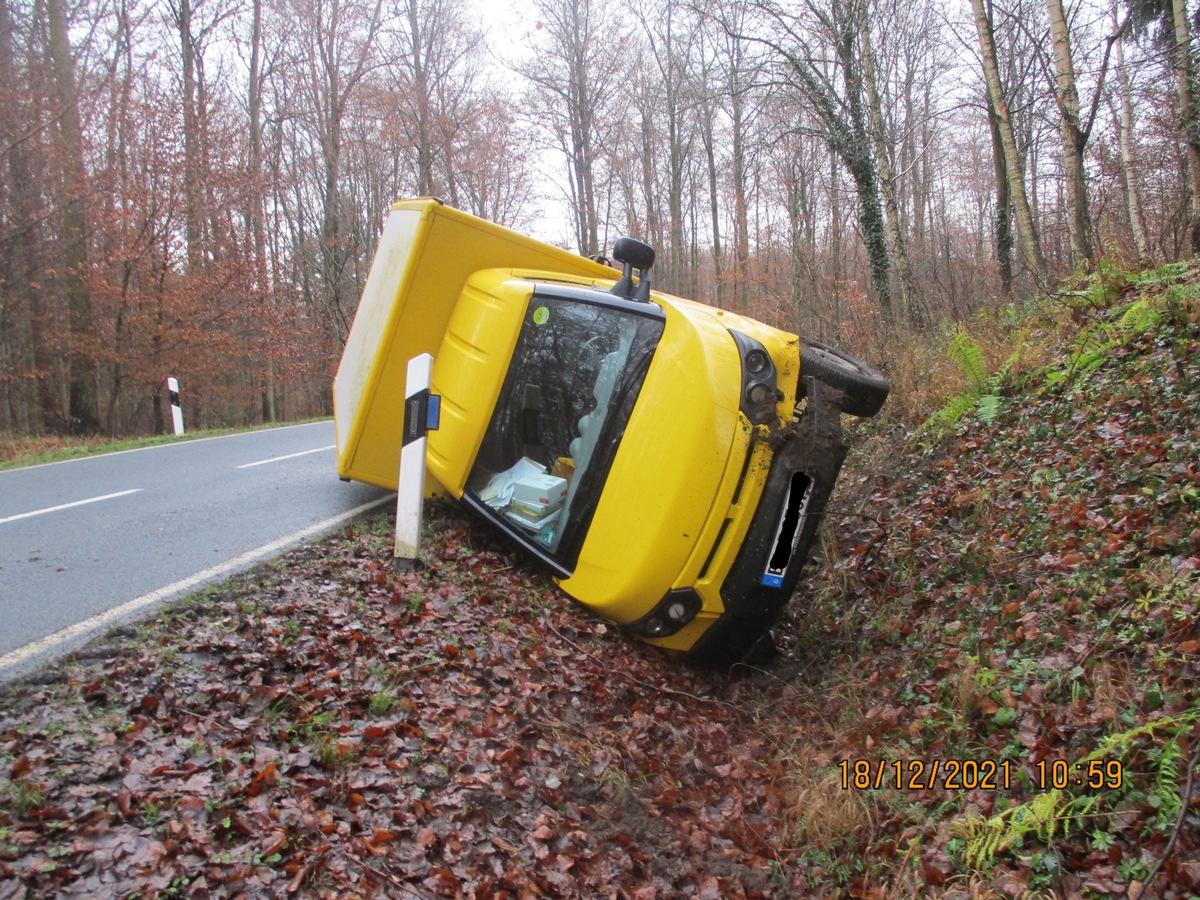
pixel 808 456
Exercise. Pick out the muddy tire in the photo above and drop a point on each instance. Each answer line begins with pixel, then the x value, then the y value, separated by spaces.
pixel 863 389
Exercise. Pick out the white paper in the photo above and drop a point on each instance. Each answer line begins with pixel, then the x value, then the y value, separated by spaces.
pixel 499 490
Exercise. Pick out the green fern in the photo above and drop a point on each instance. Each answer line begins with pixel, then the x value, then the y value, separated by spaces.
pixel 1158 277
pixel 1166 781
pixel 1054 812
pixel 988 408
pixel 1108 283
pixel 1042 817
pixel 966 351
pixel 1114 746
pixel 1142 317
pixel 950 414
pixel 1089 359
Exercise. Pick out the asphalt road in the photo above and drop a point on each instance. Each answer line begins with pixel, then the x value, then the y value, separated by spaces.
pixel 87 543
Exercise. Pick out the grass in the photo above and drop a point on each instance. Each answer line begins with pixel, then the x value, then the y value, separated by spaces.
pixel 18 451
pixel 25 797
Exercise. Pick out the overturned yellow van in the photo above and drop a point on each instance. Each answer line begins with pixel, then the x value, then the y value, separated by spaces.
pixel 668 461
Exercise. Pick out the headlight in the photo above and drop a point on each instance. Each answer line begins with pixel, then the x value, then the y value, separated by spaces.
pixel 757 362
pixel 760 390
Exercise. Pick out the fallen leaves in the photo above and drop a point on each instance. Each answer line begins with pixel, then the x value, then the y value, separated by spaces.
pixel 316 728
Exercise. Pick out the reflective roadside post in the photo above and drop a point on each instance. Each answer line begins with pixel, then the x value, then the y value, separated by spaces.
pixel 176 409
pixel 422 412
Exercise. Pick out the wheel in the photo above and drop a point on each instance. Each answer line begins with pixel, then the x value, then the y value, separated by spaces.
pixel 863 389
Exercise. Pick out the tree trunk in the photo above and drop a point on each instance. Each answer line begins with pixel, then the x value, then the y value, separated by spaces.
pixel 1004 235
pixel 844 127
pixel 670 47
pixel 653 224
pixel 20 268
pixel 835 248
pixel 337 64
pixel 859 161
pixel 1133 199
pixel 741 217
pixel 708 135
pixel 909 297
pixel 1188 123
pixel 84 410
pixel 255 212
pixel 853 139
pixel 1079 221
pixel 193 230
pixel 333 251
pixel 566 72
pixel 585 131
pixel 799 232
pixel 416 33
pixel 1014 170
pixel 677 160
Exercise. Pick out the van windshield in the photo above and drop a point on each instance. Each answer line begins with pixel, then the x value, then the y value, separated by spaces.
pixel 575 374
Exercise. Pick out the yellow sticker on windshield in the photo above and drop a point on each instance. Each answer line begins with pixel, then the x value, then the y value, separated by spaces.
pixel 541 316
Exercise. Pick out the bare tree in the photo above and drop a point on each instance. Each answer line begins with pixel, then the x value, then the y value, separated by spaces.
pixel 1074 138
pixel 738 86
pixel 708 108
pixel 1189 117
pixel 337 55
pixel 1125 124
pixel 799 156
pixel 255 215
pixel 909 298
pixel 828 35
pixel 573 73
pixel 1014 168
pixel 492 172
pixel 196 23
pixel 435 67
pixel 1174 34
pixel 672 34
pixel 22 313
pixel 1003 218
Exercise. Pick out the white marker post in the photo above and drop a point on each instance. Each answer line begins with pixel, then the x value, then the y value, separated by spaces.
pixel 176 409
pixel 422 412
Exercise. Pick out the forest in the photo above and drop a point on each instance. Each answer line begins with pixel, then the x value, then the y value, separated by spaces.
pixel 193 188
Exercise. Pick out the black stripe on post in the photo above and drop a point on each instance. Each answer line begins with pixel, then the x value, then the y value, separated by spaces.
pixel 416 417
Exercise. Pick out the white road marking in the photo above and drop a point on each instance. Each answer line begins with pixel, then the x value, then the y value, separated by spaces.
pixel 126 610
pixel 263 462
pixel 50 509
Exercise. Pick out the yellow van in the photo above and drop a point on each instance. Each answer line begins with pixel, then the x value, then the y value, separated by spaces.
pixel 668 461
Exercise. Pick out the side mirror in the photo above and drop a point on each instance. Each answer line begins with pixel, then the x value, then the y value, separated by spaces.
pixel 633 254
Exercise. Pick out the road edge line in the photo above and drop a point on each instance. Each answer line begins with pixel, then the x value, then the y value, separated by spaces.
pixel 178 443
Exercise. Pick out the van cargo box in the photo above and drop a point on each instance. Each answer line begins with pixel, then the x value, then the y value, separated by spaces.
pixel 425 255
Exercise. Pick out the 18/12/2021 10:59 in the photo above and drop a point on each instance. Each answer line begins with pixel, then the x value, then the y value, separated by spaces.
pixel 969 774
